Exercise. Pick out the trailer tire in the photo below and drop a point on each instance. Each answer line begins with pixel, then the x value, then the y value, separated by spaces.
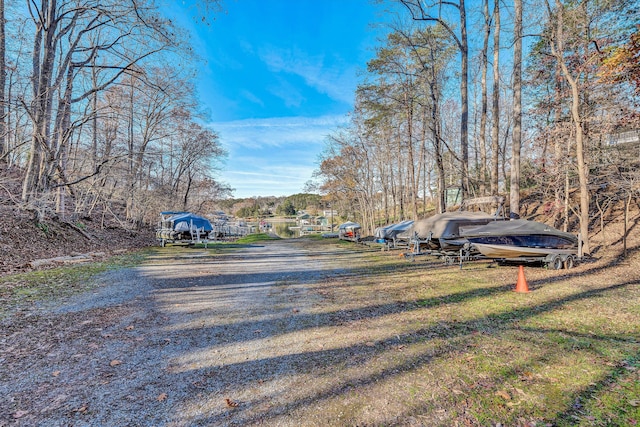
pixel 570 262
pixel 555 263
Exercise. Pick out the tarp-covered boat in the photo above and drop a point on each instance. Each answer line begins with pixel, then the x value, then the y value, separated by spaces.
pixel 349 231
pixel 521 238
pixel 184 227
pixel 442 232
pixel 391 231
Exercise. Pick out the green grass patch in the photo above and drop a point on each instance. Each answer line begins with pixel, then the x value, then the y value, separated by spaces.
pixel 60 282
pixel 462 344
pixel 313 237
pixel 254 238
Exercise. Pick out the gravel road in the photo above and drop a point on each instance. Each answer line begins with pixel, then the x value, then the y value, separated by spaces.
pixel 188 339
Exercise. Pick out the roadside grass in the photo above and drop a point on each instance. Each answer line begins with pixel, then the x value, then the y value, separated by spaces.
pixel 42 285
pixel 449 346
pixel 182 250
pixel 253 238
pixel 387 341
pixel 313 237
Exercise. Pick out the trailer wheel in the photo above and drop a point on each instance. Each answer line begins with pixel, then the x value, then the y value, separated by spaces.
pixel 556 263
pixel 570 262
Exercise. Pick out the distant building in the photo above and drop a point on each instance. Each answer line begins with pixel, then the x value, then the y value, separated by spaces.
pixel 625 137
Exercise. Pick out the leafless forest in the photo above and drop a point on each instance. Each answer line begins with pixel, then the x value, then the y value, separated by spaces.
pixel 534 98
pixel 99 111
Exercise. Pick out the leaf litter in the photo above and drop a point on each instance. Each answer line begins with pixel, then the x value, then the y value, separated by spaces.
pixel 277 336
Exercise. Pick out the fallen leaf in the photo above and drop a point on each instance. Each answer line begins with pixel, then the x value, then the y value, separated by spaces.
pixel 83 409
pixel 230 403
pixel 503 394
pixel 55 373
pixel 129 328
pixel 162 397
pixel 19 414
pixel 634 403
pixel 115 362
pixel 527 376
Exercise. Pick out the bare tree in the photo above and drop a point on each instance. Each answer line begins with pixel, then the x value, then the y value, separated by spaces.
pixel 556 44
pixel 495 100
pixel 484 62
pixel 64 45
pixel 4 147
pixel 514 196
pixel 421 11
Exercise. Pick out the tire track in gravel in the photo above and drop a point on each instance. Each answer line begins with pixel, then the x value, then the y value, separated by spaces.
pixel 237 329
pixel 166 343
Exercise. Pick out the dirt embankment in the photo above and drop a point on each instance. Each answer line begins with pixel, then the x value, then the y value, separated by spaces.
pixel 24 240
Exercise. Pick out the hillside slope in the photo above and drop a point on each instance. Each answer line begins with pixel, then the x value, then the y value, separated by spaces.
pixel 24 239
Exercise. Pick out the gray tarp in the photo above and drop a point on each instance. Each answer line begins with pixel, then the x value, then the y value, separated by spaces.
pixel 391 231
pixel 447 225
pixel 349 226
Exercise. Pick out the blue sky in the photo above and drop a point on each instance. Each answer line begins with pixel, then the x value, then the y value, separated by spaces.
pixel 280 76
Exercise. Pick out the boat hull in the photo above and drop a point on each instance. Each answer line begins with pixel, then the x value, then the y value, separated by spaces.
pixel 497 251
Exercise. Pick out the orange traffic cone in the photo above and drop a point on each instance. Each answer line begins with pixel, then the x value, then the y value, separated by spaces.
pixel 521 285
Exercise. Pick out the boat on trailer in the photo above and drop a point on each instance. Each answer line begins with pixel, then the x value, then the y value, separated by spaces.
pixel 389 234
pixel 349 231
pixel 182 228
pixel 443 232
pixel 522 240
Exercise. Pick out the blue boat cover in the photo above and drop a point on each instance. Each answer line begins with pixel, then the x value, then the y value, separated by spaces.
pixel 182 219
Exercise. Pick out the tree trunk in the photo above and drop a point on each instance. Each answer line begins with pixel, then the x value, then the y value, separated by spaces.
pixel 43 60
pixel 514 200
pixel 4 145
pixel 495 105
pixel 484 101
pixel 411 160
pixel 557 49
pixel 627 205
pixel 464 100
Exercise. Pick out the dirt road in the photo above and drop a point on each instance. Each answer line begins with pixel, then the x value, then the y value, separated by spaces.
pixel 190 338
pixel 319 333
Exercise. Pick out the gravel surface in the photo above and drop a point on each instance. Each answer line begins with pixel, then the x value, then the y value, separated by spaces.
pixel 298 332
pixel 187 339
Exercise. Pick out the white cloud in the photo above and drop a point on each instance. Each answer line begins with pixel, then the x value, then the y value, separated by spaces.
pixel 287 92
pixel 251 97
pixel 268 182
pixel 338 83
pixel 276 132
pixel 274 156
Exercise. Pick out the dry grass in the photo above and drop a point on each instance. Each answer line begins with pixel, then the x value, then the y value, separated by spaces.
pixel 421 343
pixel 318 333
